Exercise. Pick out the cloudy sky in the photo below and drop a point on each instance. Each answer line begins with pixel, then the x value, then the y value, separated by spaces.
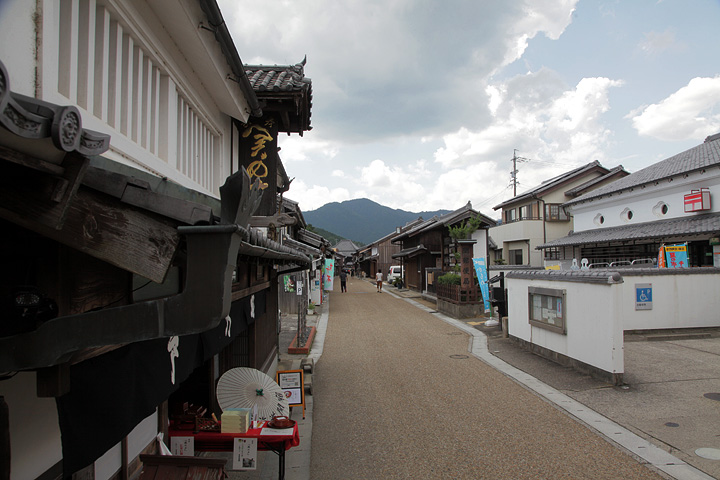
pixel 421 104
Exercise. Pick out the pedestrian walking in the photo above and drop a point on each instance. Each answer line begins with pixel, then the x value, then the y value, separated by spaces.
pixel 378 279
pixel 343 281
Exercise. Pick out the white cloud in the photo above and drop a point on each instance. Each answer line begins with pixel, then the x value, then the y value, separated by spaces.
pixel 693 112
pixel 371 79
pixel 314 197
pixel 383 181
pixel 303 149
pixel 338 173
pixel 533 114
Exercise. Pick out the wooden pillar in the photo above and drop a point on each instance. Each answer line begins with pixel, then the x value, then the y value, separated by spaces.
pixel 4 440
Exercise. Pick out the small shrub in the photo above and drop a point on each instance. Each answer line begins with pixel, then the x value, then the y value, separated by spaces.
pixel 449 279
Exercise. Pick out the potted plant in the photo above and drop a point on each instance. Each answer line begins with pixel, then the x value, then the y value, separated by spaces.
pixel 311 308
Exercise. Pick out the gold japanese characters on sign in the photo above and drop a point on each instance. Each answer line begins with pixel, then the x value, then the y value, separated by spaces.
pixel 258 169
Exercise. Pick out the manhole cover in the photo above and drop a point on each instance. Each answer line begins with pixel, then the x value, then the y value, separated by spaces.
pixel 459 357
pixel 672 424
pixel 709 453
pixel 712 396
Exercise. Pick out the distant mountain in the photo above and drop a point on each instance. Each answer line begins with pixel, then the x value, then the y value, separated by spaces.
pixel 329 236
pixel 362 220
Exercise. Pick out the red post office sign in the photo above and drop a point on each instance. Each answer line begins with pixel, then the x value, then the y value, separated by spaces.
pixel 697 200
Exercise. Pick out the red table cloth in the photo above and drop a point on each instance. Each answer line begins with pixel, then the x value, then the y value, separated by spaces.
pixel 223 442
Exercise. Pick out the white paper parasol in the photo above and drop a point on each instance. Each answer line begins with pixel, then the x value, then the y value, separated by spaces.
pixel 247 387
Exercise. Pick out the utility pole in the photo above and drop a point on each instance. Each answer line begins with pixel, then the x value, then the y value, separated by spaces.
pixel 513 173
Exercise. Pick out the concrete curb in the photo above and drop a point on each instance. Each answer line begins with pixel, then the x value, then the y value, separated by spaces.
pixel 611 431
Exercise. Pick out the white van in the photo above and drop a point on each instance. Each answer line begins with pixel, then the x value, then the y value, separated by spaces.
pixel 396 271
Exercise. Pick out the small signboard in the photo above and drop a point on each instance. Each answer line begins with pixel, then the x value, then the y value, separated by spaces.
pixel 292 383
pixel 183 446
pixel 643 296
pixel 677 255
pixel 244 454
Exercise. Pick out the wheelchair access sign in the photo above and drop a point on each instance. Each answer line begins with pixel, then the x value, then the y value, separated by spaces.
pixel 643 296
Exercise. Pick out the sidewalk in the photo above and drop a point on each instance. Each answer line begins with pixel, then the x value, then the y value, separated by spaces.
pixel 662 416
pixel 297 459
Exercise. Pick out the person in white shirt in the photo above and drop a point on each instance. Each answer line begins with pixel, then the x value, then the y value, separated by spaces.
pixel 378 278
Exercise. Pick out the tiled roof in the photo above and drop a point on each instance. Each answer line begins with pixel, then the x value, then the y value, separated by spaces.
pixel 451 218
pixel 555 182
pixel 705 155
pixel 582 276
pixel 618 171
pixel 284 89
pixel 410 252
pixel 277 78
pixel 671 228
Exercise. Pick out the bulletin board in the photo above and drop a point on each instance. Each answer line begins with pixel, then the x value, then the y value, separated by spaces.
pixel 292 383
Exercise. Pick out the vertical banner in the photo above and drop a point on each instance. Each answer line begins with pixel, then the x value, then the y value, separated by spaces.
pixel 482 275
pixel 329 273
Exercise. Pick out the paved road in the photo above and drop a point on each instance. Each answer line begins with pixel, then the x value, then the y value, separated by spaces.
pixel 397 395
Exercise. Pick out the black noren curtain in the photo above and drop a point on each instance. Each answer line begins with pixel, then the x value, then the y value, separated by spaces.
pixel 110 394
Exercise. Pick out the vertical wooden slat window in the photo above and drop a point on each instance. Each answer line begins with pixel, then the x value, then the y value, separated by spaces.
pixel 101 78
pixel 86 38
pixel 67 49
pixel 128 47
pixel 114 74
pixel 105 70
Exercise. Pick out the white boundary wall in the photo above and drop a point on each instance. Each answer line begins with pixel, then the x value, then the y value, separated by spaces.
pixel 593 318
pixel 599 309
pixel 681 298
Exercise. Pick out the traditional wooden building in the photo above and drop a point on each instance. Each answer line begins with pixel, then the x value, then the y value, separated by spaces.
pixel 428 247
pixel 378 256
pixel 132 277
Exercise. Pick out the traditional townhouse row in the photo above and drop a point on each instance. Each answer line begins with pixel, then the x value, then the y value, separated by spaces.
pixel 145 224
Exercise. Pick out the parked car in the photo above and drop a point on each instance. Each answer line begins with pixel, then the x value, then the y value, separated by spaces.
pixel 395 271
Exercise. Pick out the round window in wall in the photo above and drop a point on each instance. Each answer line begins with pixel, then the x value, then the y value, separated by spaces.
pixel 626 215
pixel 661 209
pixel 599 219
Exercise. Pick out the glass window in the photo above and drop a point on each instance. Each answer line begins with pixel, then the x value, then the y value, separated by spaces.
pixel 555 212
pixel 516 257
pixel 510 215
pixel 552 253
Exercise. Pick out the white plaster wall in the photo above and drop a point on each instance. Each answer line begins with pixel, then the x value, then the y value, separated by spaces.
pixel 480 247
pixel 679 301
pixel 593 322
pixel 17 48
pixel 34 429
pixel 140 437
pixel 643 200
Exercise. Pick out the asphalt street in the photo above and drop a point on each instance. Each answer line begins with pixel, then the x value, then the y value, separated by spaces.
pixel 397 395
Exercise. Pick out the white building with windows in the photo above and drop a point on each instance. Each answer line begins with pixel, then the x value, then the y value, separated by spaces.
pixel 669 202
pixel 537 216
